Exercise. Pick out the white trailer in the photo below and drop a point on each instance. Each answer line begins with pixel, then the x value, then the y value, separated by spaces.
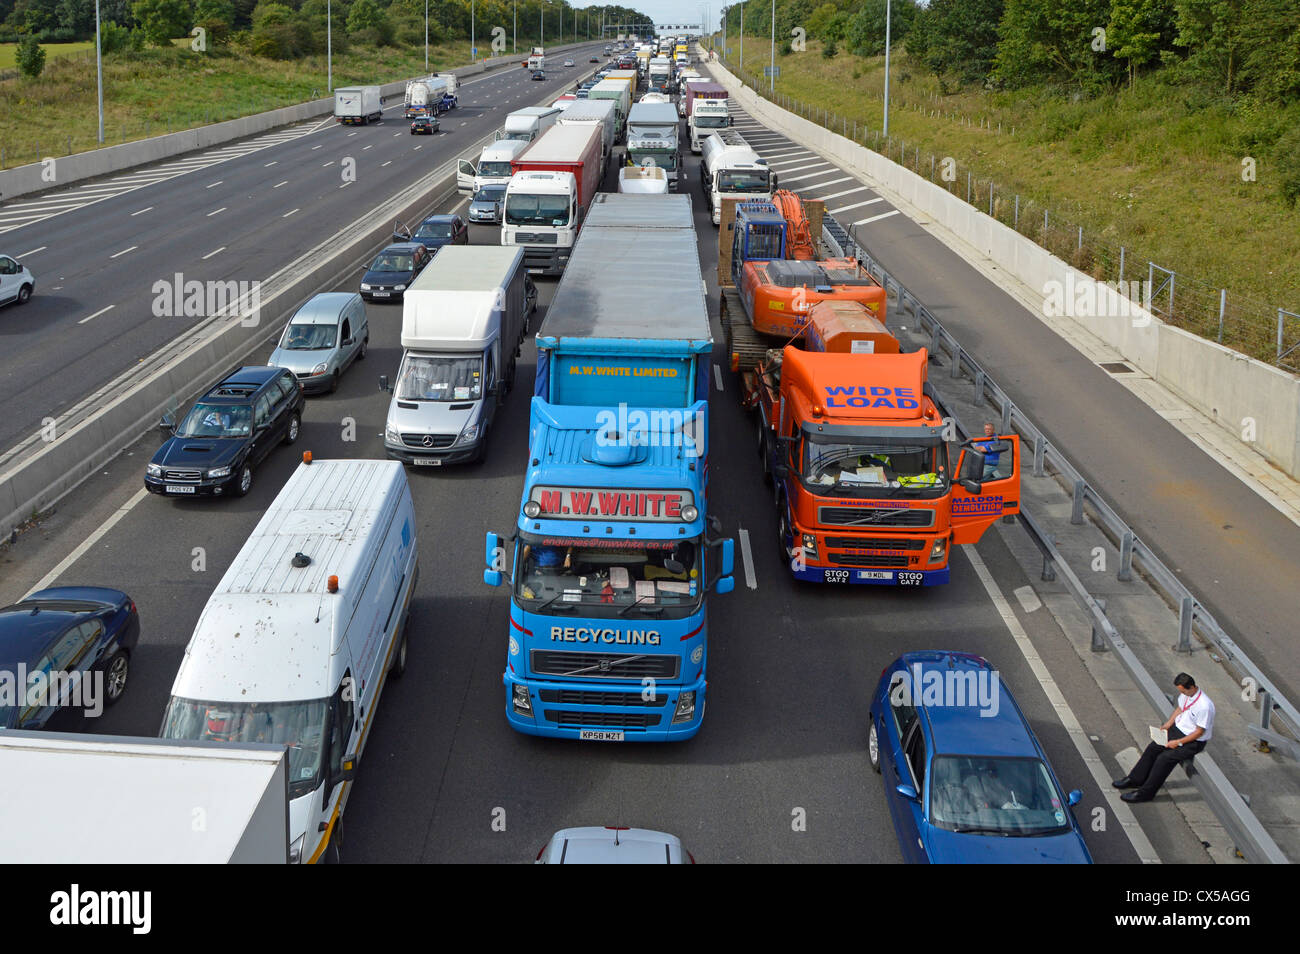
pixel 530 122
pixel 357 105
pixel 594 112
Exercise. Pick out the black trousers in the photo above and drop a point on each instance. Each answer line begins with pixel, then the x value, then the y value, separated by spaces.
pixel 1158 761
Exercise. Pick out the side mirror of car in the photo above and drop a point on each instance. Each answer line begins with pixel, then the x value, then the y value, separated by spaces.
pixel 348 342
pixel 167 424
pixel 907 792
pixel 1075 797
pixel 383 383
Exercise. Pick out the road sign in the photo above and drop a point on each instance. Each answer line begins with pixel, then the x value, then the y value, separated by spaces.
pixel 772 71
pixel 473 52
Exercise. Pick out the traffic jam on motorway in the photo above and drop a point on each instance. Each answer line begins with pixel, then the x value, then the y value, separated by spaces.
pixel 614 553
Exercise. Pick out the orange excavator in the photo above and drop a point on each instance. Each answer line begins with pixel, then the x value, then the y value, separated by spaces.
pixel 799 243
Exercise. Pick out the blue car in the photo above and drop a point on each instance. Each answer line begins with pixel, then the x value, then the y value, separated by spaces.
pixel 435 232
pixel 65 653
pixel 965 778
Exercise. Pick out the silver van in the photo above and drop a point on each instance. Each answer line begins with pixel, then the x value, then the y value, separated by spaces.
pixel 322 339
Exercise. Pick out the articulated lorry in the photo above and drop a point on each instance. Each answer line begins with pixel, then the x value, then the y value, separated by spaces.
pixel 611 562
pixel 730 169
pixel 529 123
pixel 431 95
pixel 357 105
pixel 652 138
pixel 594 112
pixel 618 91
pixel 463 322
pixel 659 74
pixel 549 194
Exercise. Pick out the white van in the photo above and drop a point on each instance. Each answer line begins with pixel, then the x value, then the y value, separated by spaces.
pixel 295 645
pixel 494 166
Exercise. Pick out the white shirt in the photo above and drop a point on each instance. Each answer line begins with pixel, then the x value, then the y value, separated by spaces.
pixel 1195 711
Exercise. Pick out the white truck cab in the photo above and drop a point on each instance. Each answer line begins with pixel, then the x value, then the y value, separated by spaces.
pixel 730 168
pixel 493 166
pixel 295 645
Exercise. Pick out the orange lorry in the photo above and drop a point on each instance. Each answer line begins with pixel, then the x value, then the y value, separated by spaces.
pixel 854 444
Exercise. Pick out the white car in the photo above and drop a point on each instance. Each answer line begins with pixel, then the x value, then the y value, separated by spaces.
pixel 613 845
pixel 16 282
pixel 568 62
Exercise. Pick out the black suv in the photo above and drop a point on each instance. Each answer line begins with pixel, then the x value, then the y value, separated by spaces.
pixel 227 433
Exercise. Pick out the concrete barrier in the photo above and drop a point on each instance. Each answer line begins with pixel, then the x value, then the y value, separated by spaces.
pixel 30 178
pixel 1225 385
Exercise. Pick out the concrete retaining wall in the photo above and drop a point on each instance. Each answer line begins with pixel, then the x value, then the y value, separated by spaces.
pixel 24 180
pixel 1225 385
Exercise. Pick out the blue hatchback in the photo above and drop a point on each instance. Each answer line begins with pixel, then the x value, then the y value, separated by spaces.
pixel 965 778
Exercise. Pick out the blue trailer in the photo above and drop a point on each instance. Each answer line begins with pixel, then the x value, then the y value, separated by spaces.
pixel 611 561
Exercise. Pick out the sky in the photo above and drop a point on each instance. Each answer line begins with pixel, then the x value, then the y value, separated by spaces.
pixel 675 11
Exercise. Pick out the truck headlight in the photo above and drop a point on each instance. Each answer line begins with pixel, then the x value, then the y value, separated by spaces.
pixel 295 849
pixel 219 472
pixel 522 704
pixel 154 470
pixel 390 435
pixel 810 545
pixel 685 707
pixel 690 514
pixel 470 433
pixel 319 369
pixel 939 549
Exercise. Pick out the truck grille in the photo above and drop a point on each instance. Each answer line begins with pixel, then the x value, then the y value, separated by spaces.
pixel 579 697
pixel 552 662
pixel 623 720
pixel 875 517
pixel 875 543
pixel 867 559
pixel 535 238
pixel 186 476
pixel 434 440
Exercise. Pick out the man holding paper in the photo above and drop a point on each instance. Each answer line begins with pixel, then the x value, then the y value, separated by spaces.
pixel 1184 734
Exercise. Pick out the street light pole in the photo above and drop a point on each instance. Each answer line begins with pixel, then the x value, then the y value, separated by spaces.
pixel 99 74
pixel 426 37
pixel 473 50
pixel 884 131
pixel 514 37
pixel 329 47
pixel 742 36
pixel 772 87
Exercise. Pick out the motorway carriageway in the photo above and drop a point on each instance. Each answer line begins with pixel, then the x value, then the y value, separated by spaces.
pixel 792 666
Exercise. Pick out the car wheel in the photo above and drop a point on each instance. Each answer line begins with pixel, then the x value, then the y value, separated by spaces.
pixel 398 665
pixel 245 481
pixel 24 294
pixel 873 747
pixel 115 676
pixel 291 435
pixel 334 382
pixel 365 346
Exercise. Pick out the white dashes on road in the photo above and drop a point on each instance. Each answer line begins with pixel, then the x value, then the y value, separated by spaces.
pixel 876 218
pixel 124 251
pixel 855 205
pixel 96 314
pixel 214 252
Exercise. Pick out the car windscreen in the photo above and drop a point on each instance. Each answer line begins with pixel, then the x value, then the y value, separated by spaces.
pixel 997 796
pixel 217 420
pixel 394 262
pixel 440 378
pixel 310 337
pixel 433 230
pixel 489 195
pixel 495 170
pixel 523 209
pixel 299 725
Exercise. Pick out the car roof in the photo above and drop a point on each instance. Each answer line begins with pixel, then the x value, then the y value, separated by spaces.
pixel 240 385
pixel 26 626
pixel 634 846
pixel 403 247
pixel 972 729
pixel 444 218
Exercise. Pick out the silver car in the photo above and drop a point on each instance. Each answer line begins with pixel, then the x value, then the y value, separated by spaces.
pixel 16 282
pixel 322 340
pixel 486 205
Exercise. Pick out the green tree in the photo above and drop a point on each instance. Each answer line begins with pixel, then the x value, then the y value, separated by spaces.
pixel 962 37
pixel 865 32
pixel 30 57
pixel 1288 167
pixel 365 14
pixel 1044 40
pixel 162 20
pixel 1213 32
pixel 1271 37
pixel 1139 30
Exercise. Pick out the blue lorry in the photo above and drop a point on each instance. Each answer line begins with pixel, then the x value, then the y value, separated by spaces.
pixel 611 560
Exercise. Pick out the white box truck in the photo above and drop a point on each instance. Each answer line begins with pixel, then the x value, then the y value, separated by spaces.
pixel 706 116
pixel 593 112
pixel 140 801
pixel 494 166
pixel 463 321
pixel 530 122
pixel 547 198
pixel 296 644
pixel 618 91
pixel 730 168
pixel 357 105
pixel 652 138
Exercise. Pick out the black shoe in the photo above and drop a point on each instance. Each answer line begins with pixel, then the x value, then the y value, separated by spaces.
pixel 1136 797
pixel 1125 782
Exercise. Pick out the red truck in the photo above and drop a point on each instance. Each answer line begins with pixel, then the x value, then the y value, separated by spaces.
pixel 552 186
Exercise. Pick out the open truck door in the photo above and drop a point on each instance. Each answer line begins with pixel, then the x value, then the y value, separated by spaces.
pixel 465 173
pixel 977 500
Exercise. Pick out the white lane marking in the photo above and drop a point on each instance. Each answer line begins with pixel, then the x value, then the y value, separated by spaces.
pixel 797 168
pixel 787 152
pixel 90 541
pixel 314 148
pixel 215 184
pixel 388 163
pixel 1029 600
pixel 268 165
pixel 824 183
pixel 840 195
pixel 96 315
pixel 328 164
pixel 1082 744
pixel 131 248
pixel 877 218
pixel 395 135
pixel 856 205
pixel 345 185
pixel 148 208
pixel 214 252
pixel 371 146
pixel 746 557
pixel 351 134
pixel 289 213
pixel 216 211
pixel 32 252
pixel 717 376
pixel 278 184
pixel 421 146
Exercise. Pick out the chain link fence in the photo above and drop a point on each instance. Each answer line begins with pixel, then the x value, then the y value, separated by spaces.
pixel 1251 326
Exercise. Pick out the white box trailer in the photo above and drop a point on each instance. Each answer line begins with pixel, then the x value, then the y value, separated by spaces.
pixel 107 799
pixel 594 112
pixel 357 105
pixel 464 319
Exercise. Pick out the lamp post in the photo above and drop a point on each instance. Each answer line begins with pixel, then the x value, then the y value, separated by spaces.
pixel 742 36
pixel 514 36
pixel 884 130
pixel 99 74
pixel 329 47
pixel 473 50
pixel 772 86
pixel 426 37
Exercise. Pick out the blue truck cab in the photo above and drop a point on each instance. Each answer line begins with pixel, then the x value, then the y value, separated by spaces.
pixel 611 563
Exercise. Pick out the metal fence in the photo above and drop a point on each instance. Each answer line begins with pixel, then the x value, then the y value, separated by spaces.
pixel 1251 326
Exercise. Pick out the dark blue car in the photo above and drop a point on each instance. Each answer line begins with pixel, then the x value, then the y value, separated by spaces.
pixel 965 778
pixel 65 653
pixel 435 232
pixel 393 269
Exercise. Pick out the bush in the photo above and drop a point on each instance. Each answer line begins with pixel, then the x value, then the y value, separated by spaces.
pixel 1288 167
pixel 162 20
pixel 30 57
pixel 830 49
pixel 113 38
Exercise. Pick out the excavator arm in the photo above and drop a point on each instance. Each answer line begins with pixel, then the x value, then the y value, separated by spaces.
pixel 799 240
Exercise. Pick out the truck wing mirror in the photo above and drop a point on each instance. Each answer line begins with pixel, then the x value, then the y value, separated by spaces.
pixel 725 585
pixel 167 425
pixel 971 467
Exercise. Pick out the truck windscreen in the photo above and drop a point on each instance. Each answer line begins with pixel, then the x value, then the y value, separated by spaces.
pixel 742 181
pixel 425 377
pixel 609 578
pixel 710 122
pixel 494 170
pixel 663 158
pixel 874 468
pixel 523 209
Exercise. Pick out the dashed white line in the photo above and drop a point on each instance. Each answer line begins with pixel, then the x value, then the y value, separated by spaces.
pixel 388 163
pixel 91 540
pixel 96 315
pixel 214 252
pixel 124 251
pixel 314 148
pixel 747 558
pixel 215 184
pixel 855 205
pixel 840 195
pixel 32 252
pixel 717 376
pixel 278 184
pixel 289 213
pixel 148 208
pixel 877 218
pixel 345 185
pixel 371 146
pixel 268 165
pixel 216 211
pixel 328 164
